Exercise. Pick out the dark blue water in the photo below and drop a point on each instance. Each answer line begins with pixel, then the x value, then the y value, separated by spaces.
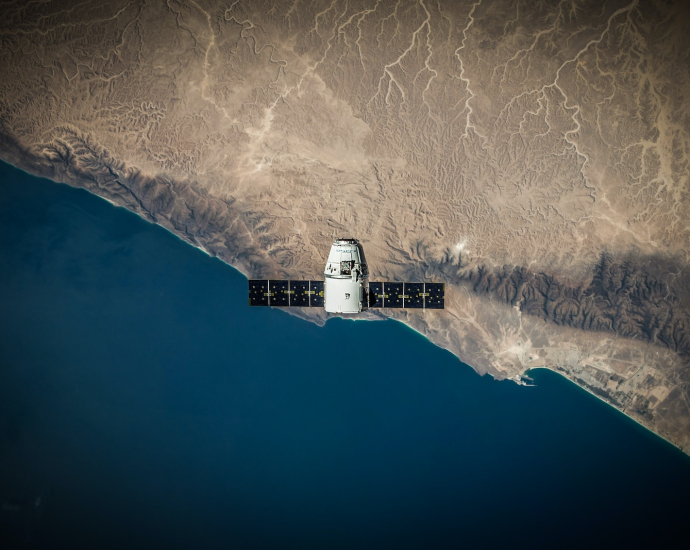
pixel 143 404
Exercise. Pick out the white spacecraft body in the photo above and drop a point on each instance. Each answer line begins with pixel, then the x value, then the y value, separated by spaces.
pixel 346 284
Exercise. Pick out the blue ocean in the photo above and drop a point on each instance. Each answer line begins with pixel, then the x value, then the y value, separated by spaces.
pixel 143 404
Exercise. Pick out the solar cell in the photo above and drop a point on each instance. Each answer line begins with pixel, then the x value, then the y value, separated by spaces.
pixel 258 293
pixel 414 295
pixel 299 293
pixel 278 293
pixel 435 293
pixel 375 294
pixel 393 294
pixel 316 293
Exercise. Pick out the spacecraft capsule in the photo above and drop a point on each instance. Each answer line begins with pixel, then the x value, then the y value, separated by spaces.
pixel 346 285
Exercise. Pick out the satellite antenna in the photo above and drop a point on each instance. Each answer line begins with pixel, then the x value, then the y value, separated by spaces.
pixel 346 287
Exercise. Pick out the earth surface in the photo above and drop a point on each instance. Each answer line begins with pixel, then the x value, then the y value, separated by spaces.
pixel 533 156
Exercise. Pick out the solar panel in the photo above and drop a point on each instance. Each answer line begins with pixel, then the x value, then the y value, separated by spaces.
pixel 316 293
pixel 414 295
pixel 393 294
pixel 299 293
pixel 310 294
pixel 278 293
pixel 375 294
pixel 435 293
pixel 258 293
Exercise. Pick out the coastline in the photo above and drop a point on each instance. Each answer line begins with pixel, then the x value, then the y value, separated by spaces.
pixel 618 409
pixel 122 206
pixel 318 319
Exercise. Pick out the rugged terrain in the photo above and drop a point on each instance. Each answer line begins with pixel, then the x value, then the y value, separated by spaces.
pixel 533 155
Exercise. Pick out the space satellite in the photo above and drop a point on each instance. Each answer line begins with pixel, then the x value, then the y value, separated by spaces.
pixel 346 287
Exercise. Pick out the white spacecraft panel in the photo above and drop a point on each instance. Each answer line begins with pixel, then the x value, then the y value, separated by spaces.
pixel 343 295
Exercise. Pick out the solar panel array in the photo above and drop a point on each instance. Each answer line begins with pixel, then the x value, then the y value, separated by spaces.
pixel 381 294
pixel 407 295
pixel 285 293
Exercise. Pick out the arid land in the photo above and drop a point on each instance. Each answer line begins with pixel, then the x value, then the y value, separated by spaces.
pixel 535 156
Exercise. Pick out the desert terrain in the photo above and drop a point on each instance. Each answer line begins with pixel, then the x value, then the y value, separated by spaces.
pixel 535 156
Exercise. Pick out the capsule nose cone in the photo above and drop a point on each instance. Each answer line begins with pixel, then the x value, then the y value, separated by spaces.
pixel 345 240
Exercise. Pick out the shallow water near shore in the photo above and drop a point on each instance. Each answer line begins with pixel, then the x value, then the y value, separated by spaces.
pixel 143 404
